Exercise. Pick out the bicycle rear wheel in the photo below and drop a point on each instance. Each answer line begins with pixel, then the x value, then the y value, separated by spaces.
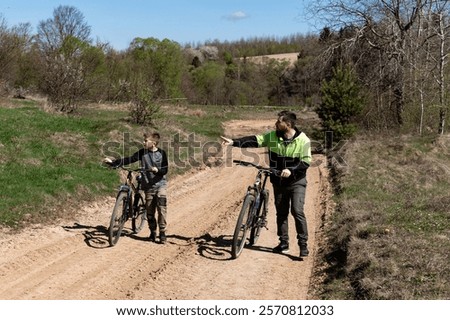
pixel 242 225
pixel 118 218
pixel 140 214
pixel 261 218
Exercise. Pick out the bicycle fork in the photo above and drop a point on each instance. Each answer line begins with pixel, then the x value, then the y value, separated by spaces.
pixel 262 218
pixel 136 206
pixel 129 201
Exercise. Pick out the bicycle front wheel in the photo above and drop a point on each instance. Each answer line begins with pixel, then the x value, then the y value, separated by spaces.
pixel 242 225
pixel 140 214
pixel 260 218
pixel 118 218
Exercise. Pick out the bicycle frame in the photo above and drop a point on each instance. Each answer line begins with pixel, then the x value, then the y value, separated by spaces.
pixel 250 217
pixel 130 204
pixel 257 189
pixel 129 187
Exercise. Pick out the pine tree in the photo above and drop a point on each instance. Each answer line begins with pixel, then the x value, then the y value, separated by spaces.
pixel 341 103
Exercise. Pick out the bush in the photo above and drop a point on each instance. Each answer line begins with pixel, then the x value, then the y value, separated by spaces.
pixel 144 109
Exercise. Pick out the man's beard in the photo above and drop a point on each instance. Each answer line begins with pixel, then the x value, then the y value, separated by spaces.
pixel 280 133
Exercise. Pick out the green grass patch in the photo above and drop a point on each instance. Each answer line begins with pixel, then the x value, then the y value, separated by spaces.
pixel 45 158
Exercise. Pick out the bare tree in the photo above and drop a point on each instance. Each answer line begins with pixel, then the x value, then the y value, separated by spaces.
pixel 13 43
pixel 443 28
pixel 429 56
pixel 421 65
pixel 67 22
pixel 64 42
pixel 384 25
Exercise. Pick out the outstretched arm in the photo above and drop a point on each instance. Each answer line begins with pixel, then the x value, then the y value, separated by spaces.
pixel 245 142
pixel 124 161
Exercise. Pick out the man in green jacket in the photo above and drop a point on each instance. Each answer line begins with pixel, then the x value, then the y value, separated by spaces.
pixel 290 153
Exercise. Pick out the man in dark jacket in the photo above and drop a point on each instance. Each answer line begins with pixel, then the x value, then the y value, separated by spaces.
pixel 154 161
pixel 290 153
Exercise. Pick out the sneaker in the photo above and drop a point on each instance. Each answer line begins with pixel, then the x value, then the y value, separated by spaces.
pixel 152 236
pixel 162 237
pixel 304 250
pixel 282 247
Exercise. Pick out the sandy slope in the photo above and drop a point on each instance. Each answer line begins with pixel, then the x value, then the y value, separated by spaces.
pixel 72 259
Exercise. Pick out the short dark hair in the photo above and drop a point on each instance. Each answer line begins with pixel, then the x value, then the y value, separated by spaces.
pixel 289 117
pixel 154 136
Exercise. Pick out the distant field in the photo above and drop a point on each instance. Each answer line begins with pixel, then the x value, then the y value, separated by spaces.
pixel 290 57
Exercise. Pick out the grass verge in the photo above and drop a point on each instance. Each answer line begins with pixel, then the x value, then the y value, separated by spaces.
pixel 390 235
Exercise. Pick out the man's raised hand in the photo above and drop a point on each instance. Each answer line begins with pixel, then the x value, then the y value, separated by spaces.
pixel 226 141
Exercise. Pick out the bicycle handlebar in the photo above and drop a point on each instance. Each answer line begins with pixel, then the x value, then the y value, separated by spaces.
pixel 140 170
pixel 250 164
pixel 132 170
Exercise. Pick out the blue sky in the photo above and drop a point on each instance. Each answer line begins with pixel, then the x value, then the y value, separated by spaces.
pixel 183 21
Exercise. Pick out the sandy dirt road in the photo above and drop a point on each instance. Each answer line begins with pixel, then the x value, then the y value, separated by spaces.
pixel 72 259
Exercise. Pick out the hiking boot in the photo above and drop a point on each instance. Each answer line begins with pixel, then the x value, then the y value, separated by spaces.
pixel 304 250
pixel 282 247
pixel 152 236
pixel 162 237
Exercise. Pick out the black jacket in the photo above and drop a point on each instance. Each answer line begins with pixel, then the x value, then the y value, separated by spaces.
pixel 148 160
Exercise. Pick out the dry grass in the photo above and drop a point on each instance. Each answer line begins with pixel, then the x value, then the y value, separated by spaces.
pixel 389 238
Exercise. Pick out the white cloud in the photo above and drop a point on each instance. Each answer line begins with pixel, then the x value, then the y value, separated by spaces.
pixel 237 15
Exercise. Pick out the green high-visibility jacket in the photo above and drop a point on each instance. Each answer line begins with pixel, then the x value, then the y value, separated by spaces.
pixel 293 154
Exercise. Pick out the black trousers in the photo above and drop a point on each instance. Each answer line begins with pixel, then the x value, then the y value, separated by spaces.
pixel 291 199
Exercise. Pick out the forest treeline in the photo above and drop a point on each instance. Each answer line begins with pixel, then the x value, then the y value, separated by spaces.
pixel 375 65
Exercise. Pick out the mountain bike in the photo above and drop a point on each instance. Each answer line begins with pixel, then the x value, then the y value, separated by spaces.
pixel 129 204
pixel 253 214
